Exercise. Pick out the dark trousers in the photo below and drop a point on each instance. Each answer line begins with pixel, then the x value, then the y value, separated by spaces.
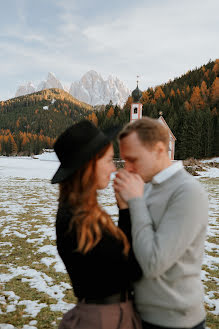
pixel 147 325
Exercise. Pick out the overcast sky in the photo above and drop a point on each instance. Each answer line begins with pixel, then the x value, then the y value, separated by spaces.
pixel 155 39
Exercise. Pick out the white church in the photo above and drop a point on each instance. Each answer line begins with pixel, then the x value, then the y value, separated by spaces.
pixel 136 113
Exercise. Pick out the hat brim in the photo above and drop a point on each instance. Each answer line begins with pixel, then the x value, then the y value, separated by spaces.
pixel 63 173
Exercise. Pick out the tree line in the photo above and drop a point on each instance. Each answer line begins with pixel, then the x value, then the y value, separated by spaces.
pixel 31 123
pixel 190 106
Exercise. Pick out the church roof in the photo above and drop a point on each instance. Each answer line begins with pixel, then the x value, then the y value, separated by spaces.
pixel 136 94
pixel 161 119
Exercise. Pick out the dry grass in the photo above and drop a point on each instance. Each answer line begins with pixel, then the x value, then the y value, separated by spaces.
pixel 28 208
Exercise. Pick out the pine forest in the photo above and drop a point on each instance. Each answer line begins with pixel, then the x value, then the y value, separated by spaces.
pixel 189 105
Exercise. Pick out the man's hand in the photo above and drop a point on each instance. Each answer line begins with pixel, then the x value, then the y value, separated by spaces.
pixel 128 185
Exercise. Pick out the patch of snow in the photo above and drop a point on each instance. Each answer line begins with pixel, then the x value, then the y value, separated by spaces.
pixel 47 261
pixel 211 246
pixel 204 275
pixel 27 168
pixel 19 235
pixel 47 231
pixel 49 249
pixel 30 240
pixel 210 160
pixel 61 306
pixel 11 308
pixel 52 251
pixel 33 307
pixel 11 295
pixel 6 244
pixel 211 300
pixel 210 261
pixel 47 157
pixel 65 285
pixel 36 241
pixel 6 231
pixel 60 267
pixel 210 173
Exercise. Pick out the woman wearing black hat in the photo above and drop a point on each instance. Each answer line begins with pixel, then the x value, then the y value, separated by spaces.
pixel 96 253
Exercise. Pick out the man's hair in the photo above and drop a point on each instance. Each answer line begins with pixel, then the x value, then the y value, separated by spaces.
pixel 149 131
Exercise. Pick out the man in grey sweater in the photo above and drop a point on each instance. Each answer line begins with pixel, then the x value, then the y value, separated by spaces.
pixel 169 216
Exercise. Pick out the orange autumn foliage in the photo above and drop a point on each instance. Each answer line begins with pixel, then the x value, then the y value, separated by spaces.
pixel 215 91
pixel 159 93
pixel 110 113
pixel 196 99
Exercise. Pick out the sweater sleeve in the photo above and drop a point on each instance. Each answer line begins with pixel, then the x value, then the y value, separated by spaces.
pixel 185 216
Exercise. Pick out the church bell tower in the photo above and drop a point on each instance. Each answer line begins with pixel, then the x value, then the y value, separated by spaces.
pixel 136 106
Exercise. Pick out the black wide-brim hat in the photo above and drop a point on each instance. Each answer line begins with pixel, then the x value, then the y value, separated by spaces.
pixel 77 145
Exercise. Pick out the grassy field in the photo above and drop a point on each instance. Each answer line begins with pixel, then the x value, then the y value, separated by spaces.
pixel 210 268
pixel 35 289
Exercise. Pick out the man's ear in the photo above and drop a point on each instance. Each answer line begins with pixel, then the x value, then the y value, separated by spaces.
pixel 160 148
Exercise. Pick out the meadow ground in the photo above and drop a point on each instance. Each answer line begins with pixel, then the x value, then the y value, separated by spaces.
pixel 35 289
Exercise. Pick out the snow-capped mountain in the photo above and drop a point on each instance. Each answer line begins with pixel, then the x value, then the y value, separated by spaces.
pixel 91 89
pixel 51 82
pixel 94 90
pixel 29 88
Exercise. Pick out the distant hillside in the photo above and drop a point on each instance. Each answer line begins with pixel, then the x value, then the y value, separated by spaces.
pixel 190 106
pixel 32 122
pixel 91 88
pixel 47 95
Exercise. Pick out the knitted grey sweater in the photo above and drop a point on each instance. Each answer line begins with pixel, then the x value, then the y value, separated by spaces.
pixel 168 230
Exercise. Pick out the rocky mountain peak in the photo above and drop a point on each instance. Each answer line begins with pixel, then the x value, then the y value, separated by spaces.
pixel 91 88
pixel 29 88
pixel 94 90
pixel 51 82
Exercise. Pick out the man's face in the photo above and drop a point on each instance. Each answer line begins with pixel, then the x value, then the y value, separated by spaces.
pixel 138 157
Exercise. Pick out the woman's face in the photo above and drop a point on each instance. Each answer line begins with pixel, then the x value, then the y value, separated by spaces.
pixel 104 168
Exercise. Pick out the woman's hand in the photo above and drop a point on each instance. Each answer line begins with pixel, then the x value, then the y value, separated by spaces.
pixel 128 185
pixel 120 202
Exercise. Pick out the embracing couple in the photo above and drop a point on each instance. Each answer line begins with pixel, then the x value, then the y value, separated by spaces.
pixel 145 272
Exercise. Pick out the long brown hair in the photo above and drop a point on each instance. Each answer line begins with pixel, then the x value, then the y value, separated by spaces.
pixel 80 193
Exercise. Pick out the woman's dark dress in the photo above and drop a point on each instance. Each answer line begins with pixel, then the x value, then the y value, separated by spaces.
pixel 104 270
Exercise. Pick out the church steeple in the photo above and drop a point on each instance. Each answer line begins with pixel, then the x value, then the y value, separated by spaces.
pixel 136 94
pixel 136 106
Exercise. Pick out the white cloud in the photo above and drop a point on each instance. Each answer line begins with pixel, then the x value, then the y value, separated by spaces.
pixel 158 40
pixel 149 29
